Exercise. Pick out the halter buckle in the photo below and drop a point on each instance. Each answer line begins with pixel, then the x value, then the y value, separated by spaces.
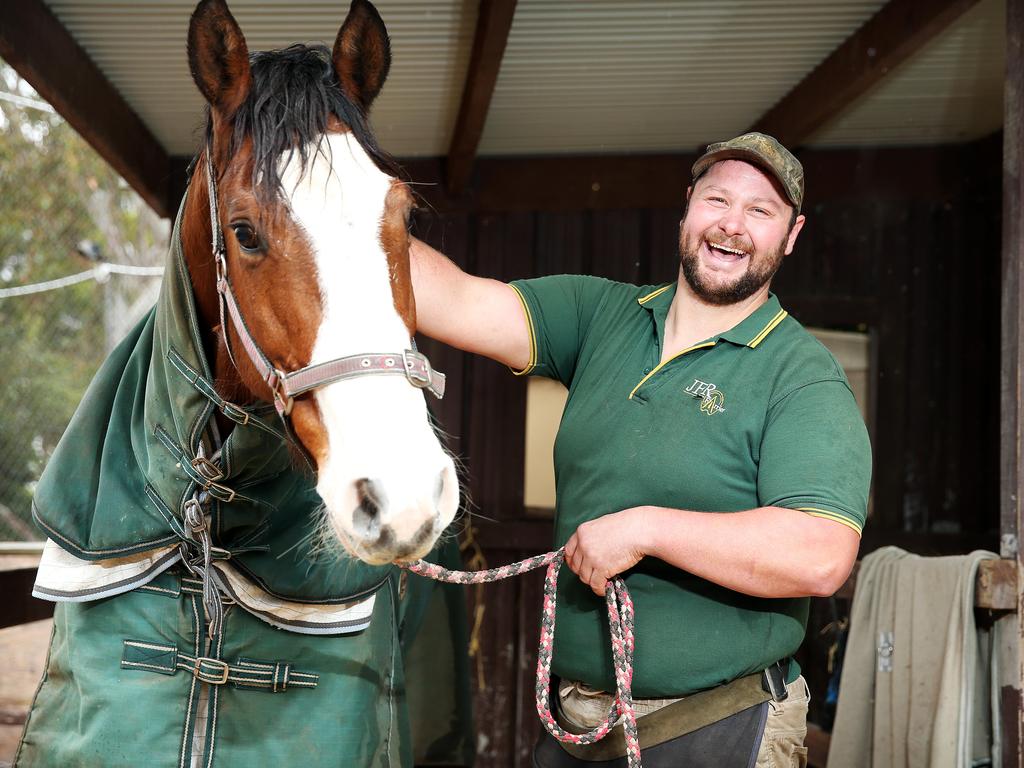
pixel 421 375
pixel 421 379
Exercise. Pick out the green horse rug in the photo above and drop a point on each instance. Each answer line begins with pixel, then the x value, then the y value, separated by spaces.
pixel 226 508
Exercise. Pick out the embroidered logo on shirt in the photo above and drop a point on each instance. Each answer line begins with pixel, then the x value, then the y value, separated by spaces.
pixel 712 399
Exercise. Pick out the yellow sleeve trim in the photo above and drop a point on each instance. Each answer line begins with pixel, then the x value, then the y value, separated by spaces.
pixel 533 337
pixel 768 328
pixel 652 294
pixel 825 514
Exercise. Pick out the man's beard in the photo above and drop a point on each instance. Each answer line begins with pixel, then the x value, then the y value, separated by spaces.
pixel 760 270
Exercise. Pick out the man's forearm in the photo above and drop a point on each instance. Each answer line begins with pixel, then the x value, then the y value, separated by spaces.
pixel 766 552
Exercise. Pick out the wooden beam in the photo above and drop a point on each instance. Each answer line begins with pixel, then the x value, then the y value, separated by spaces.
pixel 494 20
pixel 38 46
pixel 995 588
pixel 1011 474
pixel 604 182
pixel 887 39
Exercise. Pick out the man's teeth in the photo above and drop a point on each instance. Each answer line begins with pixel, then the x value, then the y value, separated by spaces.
pixel 727 249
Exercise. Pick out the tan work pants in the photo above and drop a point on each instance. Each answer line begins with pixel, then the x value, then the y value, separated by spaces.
pixel 782 745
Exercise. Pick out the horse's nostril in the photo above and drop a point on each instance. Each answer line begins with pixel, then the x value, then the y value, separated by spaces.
pixel 366 517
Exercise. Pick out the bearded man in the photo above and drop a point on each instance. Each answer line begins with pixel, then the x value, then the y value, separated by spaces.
pixel 711 453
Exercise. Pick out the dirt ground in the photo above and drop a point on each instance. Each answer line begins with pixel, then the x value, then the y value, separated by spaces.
pixel 23 650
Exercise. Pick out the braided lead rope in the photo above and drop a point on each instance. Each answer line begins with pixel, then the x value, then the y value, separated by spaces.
pixel 620 624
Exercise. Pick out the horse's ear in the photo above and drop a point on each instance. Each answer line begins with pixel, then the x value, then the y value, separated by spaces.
pixel 218 57
pixel 362 54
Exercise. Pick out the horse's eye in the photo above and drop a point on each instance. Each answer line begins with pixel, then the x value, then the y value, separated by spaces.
pixel 247 237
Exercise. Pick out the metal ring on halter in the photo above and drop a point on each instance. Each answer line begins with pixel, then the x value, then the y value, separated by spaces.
pixel 277 382
pixel 284 405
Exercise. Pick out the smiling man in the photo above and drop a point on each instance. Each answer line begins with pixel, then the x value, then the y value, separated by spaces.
pixel 711 452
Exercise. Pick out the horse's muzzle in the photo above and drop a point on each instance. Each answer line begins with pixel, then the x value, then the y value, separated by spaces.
pixel 387 527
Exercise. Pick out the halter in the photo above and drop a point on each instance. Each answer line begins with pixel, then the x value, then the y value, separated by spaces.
pixel 287 386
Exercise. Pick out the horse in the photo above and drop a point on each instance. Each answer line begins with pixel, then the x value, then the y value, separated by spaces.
pixel 316 227
pixel 268 415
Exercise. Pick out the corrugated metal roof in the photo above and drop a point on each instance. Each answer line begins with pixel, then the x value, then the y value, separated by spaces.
pixel 140 47
pixel 654 75
pixel 951 91
pixel 578 77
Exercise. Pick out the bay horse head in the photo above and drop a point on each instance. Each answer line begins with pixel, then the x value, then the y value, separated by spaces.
pixel 310 282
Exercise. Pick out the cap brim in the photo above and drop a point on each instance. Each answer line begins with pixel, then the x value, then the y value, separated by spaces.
pixel 748 155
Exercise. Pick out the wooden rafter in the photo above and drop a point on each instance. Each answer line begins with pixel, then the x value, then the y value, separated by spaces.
pixel 38 46
pixel 886 40
pixel 494 20
pixel 602 182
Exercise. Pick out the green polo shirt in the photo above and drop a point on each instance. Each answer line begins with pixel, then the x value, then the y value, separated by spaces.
pixel 761 415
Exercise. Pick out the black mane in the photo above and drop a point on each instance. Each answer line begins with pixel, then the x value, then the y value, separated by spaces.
pixel 294 92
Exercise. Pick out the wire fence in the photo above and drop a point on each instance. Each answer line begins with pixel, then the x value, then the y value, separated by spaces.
pixel 81 257
pixel 51 344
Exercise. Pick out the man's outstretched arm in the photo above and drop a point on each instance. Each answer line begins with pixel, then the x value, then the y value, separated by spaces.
pixel 474 314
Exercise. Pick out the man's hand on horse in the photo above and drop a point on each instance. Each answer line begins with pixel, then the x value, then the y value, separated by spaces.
pixel 603 548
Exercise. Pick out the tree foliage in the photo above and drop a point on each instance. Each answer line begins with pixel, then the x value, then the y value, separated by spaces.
pixel 59 203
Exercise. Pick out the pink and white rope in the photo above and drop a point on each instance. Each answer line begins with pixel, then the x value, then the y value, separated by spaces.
pixel 620 624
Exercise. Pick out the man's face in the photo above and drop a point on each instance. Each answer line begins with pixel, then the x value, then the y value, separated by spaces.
pixel 735 232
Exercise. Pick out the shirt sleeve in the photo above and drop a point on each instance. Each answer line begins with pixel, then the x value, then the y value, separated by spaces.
pixel 815 454
pixel 559 310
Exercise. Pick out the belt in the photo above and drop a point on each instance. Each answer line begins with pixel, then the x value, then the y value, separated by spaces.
pixel 689 714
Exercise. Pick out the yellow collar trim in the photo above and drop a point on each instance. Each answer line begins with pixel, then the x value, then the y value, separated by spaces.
pixel 652 294
pixel 768 328
pixel 662 365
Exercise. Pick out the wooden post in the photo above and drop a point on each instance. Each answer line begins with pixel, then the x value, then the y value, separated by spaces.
pixel 1012 450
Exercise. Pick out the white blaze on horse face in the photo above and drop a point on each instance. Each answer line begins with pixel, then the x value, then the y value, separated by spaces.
pixel 389 487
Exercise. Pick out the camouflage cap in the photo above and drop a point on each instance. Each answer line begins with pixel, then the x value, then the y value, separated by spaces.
pixel 766 153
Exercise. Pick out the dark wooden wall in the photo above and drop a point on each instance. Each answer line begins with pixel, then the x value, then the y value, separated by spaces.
pixel 901 243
